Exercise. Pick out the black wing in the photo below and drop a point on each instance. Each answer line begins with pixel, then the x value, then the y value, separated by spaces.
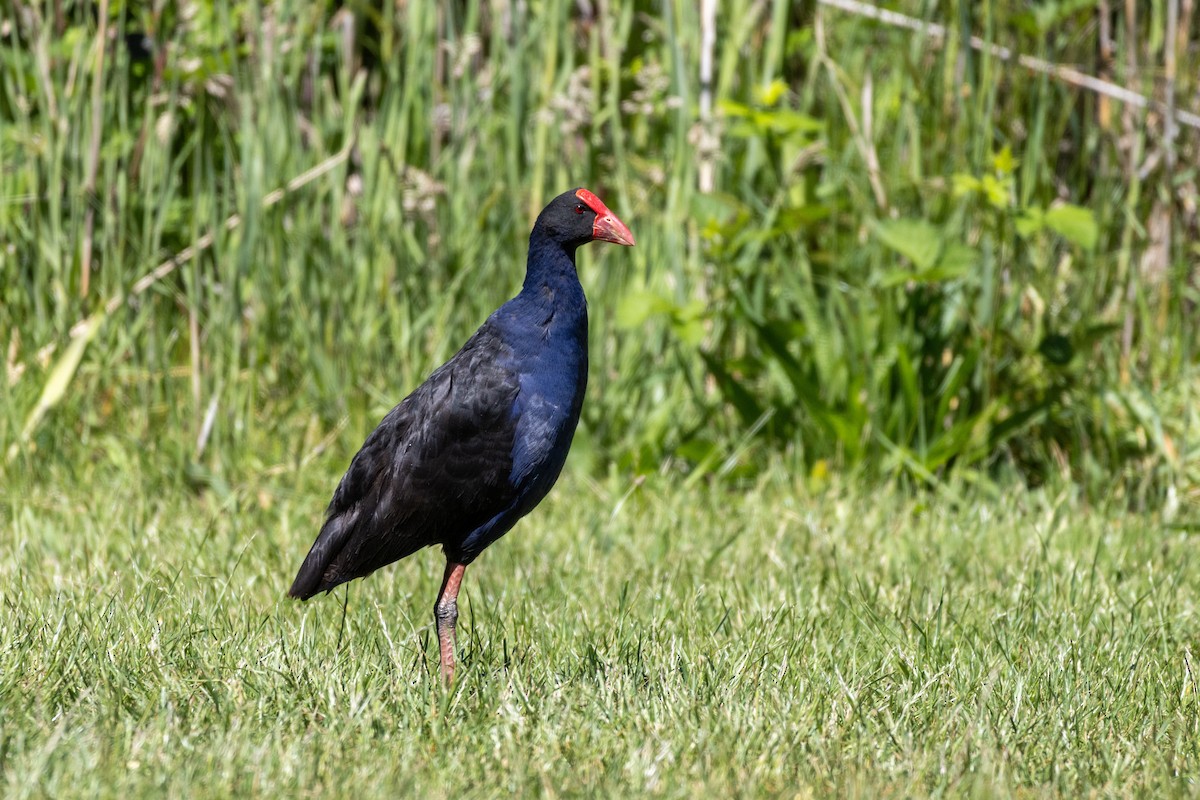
pixel 436 468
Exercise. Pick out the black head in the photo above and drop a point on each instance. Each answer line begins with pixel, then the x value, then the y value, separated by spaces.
pixel 578 217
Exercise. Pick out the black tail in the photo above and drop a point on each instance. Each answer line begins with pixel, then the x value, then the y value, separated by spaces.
pixel 315 574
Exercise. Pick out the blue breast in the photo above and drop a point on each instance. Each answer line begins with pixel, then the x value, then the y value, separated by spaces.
pixel 546 329
pixel 552 370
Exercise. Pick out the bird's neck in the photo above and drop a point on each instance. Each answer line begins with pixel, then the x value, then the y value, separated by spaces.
pixel 550 264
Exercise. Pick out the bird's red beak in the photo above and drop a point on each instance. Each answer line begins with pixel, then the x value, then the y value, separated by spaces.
pixel 607 227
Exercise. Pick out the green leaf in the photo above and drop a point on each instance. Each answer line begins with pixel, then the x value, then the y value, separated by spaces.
pixel 770 94
pixel 1144 408
pixel 894 277
pixel 717 207
pixel 732 109
pixel 1018 421
pixel 696 450
pixel 1074 223
pixel 689 331
pixel 915 239
pixel 1030 222
pixel 60 378
pixel 958 259
pixel 996 190
pixel 785 121
pixel 798 216
pixel 744 129
pixel 941 273
pixel 1003 161
pixel 965 184
pixel 637 307
pixel 906 369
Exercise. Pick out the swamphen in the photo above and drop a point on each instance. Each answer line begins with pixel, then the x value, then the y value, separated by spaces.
pixel 480 443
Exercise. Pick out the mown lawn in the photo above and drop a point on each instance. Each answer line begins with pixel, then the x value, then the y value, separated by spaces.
pixel 624 640
pixel 878 249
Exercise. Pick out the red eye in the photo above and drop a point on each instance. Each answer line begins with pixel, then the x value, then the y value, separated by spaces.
pixel 578 208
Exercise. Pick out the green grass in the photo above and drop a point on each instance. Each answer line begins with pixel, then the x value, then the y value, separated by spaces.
pixel 624 640
pixel 990 288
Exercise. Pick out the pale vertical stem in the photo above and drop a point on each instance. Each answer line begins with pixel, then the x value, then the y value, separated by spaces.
pixel 1169 51
pixel 439 92
pixel 868 135
pixel 1170 131
pixel 708 40
pixel 1187 199
pixel 1132 155
pixel 1191 91
pixel 1131 68
pixel 89 186
pixel 1185 24
pixel 1104 108
pixel 866 148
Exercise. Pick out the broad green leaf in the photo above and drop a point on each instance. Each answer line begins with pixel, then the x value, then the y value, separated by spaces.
pixel 964 184
pixel 785 121
pixel 915 239
pixel 895 277
pixel 687 322
pixel 744 129
pixel 958 258
pixel 732 109
pixel 996 190
pixel 690 332
pixel 637 307
pixel 717 207
pixel 941 273
pixel 1074 223
pixel 1030 222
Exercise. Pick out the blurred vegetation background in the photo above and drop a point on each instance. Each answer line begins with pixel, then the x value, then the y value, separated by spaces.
pixel 234 233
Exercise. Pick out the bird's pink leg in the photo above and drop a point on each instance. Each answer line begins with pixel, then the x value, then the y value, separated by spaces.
pixel 445 611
